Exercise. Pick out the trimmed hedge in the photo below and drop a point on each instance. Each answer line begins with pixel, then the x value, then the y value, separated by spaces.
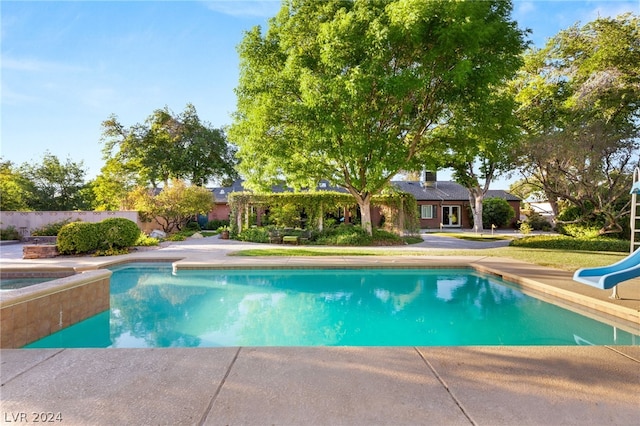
pixel 118 233
pixel 78 237
pixel 563 242
pixel 85 237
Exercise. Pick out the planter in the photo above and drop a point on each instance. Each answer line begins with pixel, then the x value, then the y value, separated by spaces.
pixel 42 251
pixel 224 235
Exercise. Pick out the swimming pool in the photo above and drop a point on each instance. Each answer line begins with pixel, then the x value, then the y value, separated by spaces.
pixel 153 307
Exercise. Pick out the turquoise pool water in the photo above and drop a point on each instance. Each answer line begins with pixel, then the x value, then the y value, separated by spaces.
pixel 16 283
pixel 151 307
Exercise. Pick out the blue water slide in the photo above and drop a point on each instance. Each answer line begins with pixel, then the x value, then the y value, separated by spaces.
pixel 606 277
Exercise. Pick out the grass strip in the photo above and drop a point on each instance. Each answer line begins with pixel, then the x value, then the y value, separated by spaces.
pixel 473 237
pixel 568 260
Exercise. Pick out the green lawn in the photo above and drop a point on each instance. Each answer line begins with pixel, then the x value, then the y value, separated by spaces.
pixel 483 237
pixel 560 259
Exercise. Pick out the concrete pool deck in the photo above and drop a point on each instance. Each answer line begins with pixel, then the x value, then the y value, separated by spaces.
pixel 332 385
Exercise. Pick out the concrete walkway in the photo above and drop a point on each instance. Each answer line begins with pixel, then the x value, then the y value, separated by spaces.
pixel 318 386
pixel 329 385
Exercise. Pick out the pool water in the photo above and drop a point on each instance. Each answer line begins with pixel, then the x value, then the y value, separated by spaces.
pixel 151 307
pixel 16 283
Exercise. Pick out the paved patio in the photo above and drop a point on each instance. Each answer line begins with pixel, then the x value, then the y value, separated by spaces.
pixel 332 385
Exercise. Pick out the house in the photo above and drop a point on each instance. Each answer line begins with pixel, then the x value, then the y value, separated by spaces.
pixel 446 204
pixel 441 204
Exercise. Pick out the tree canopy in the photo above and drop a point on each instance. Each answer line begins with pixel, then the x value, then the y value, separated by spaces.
pixel 580 113
pixel 350 90
pixel 53 185
pixel 479 143
pixel 168 146
pixel 15 188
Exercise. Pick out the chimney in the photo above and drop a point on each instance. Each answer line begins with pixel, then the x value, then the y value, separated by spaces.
pixel 428 178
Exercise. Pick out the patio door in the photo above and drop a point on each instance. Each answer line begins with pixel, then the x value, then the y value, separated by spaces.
pixel 451 215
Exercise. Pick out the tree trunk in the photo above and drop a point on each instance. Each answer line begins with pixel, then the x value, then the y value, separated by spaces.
pixel 365 212
pixel 364 202
pixel 321 219
pixel 476 195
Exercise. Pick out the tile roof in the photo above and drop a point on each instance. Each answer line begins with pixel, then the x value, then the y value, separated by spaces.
pixel 440 191
pixel 446 191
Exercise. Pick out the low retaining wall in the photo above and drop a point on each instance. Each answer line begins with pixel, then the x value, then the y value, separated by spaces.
pixel 33 312
pixel 44 251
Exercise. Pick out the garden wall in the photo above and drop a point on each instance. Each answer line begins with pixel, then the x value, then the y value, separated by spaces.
pixel 26 222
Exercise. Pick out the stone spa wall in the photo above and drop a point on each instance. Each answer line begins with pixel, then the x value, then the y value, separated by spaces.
pixel 31 313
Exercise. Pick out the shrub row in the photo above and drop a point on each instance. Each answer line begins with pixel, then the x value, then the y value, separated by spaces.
pixel 344 235
pixel 254 235
pixel 215 224
pixel 563 242
pixel 51 229
pixel 86 237
pixel 9 233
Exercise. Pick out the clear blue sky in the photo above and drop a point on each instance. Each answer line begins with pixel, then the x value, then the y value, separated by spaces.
pixel 68 65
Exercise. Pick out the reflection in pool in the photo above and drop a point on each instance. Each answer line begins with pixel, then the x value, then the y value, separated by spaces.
pixel 151 307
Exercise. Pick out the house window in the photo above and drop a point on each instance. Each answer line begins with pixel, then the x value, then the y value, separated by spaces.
pixel 427 211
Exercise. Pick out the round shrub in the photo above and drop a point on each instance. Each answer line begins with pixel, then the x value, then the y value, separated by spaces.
pixel 496 211
pixel 118 233
pixel 78 238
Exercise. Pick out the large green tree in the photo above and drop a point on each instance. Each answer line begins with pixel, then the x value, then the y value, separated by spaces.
pixel 15 188
pixel 57 185
pixel 112 186
pixel 479 144
pixel 167 146
pixel 580 113
pixel 350 90
pixel 172 207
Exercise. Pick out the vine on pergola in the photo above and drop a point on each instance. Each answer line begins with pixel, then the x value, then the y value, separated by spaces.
pixel 399 208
